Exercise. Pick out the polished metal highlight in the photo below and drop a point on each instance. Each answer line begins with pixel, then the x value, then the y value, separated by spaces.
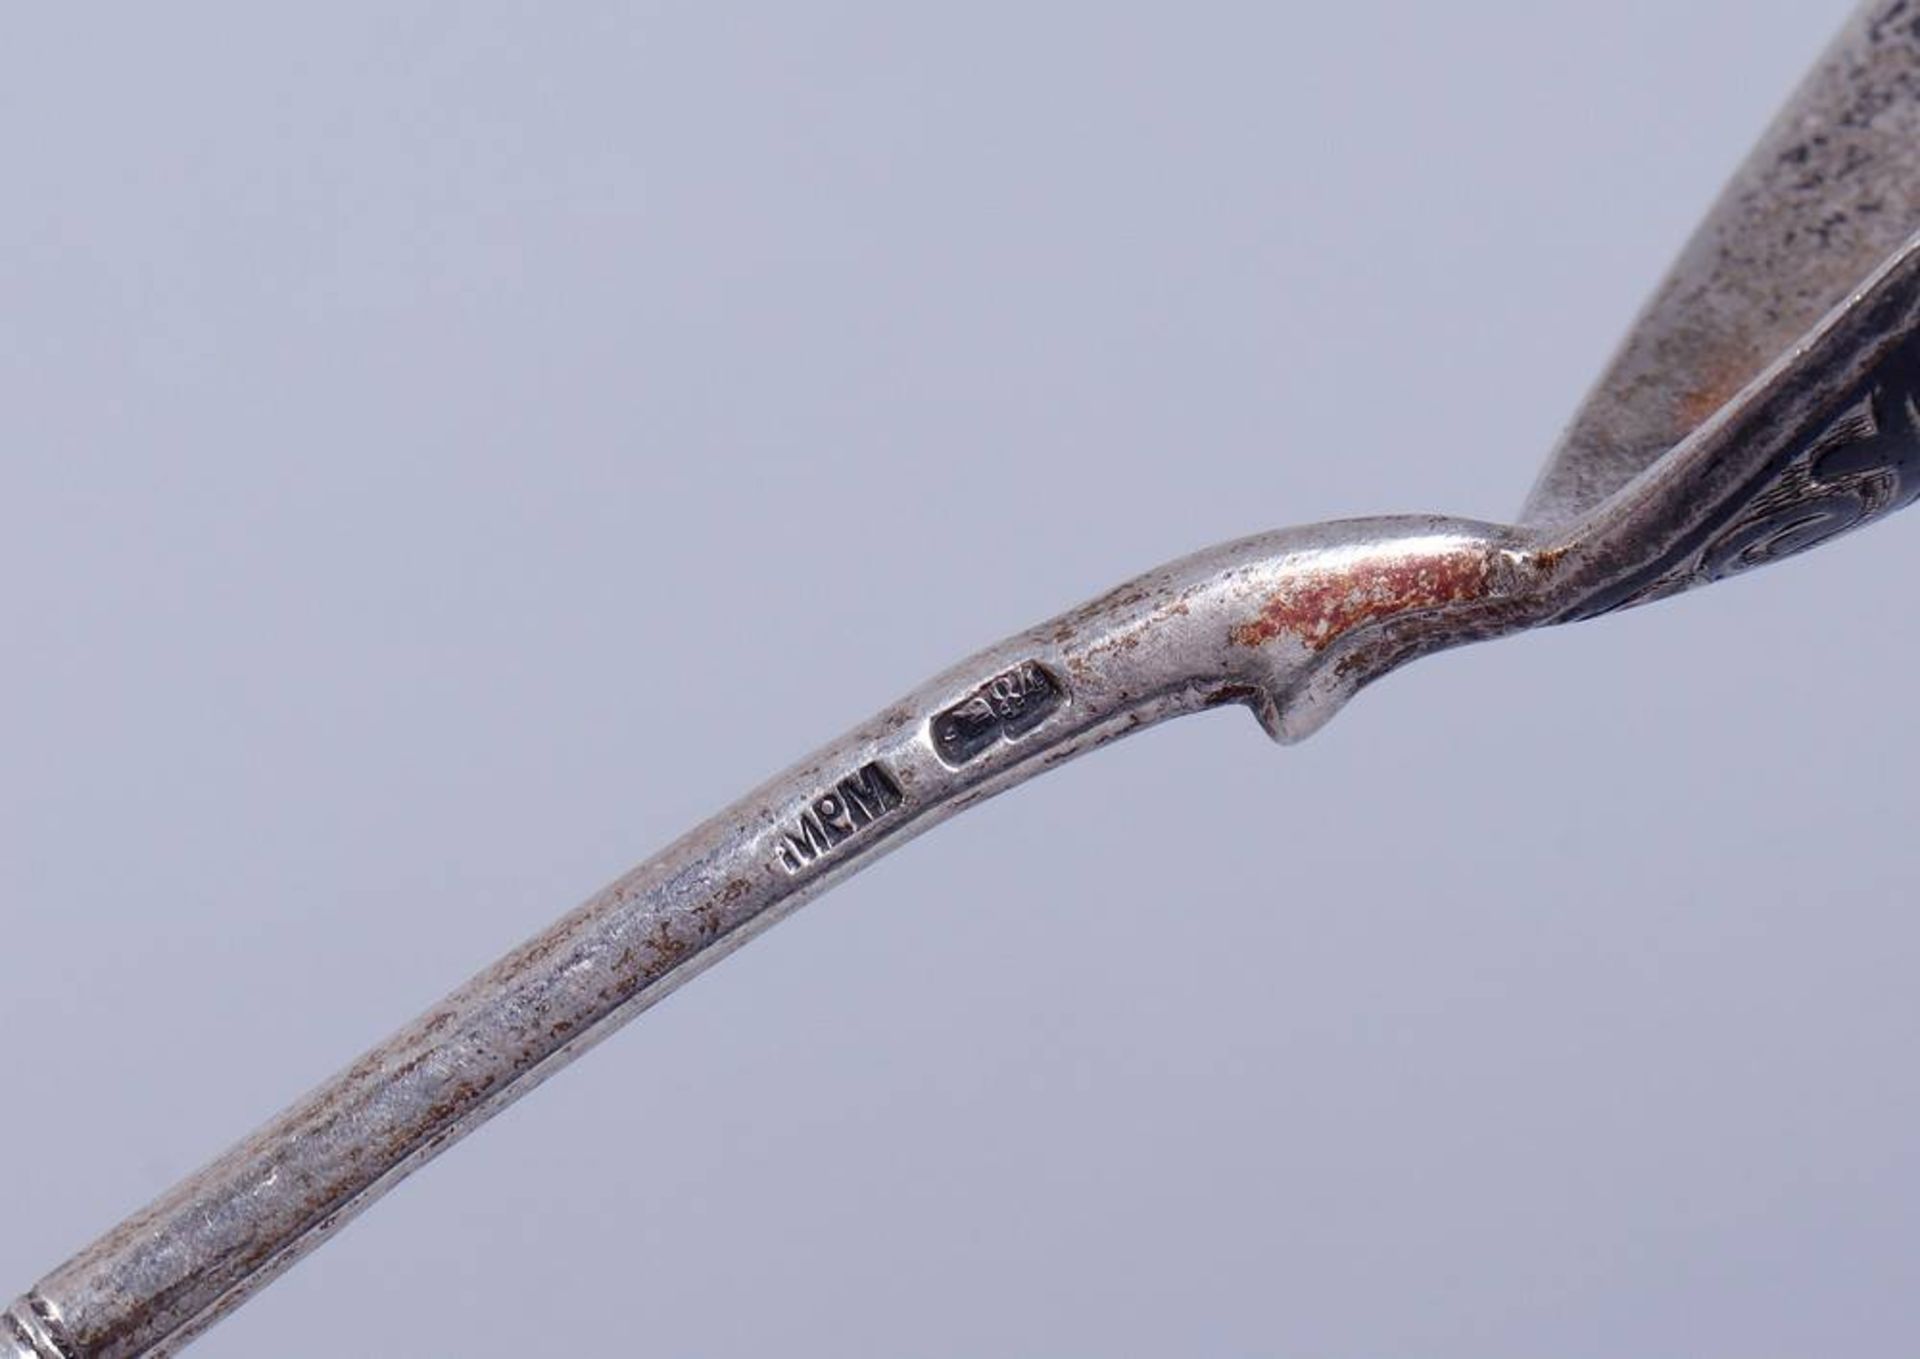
pixel 1769 401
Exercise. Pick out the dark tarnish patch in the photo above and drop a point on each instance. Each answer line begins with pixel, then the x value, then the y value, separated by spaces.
pixel 1319 610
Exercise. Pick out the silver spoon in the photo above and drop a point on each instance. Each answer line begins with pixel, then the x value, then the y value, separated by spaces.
pixel 1764 405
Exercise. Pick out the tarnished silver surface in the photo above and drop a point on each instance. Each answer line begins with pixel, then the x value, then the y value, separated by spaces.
pixel 1288 622
pixel 1831 189
pixel 1814 435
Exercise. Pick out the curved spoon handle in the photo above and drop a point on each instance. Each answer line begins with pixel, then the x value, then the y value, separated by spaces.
pixel 1290 623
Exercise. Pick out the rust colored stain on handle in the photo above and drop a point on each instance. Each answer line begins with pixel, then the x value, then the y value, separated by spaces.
pixel 1320 610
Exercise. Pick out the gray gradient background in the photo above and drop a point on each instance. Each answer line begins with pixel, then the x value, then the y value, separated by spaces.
pixel 451 449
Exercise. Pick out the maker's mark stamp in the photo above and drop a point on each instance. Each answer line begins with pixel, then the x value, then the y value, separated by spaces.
pixel 837 815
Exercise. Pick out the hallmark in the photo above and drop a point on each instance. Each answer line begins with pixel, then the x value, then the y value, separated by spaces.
pixel 854 803
pixel 1005 708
